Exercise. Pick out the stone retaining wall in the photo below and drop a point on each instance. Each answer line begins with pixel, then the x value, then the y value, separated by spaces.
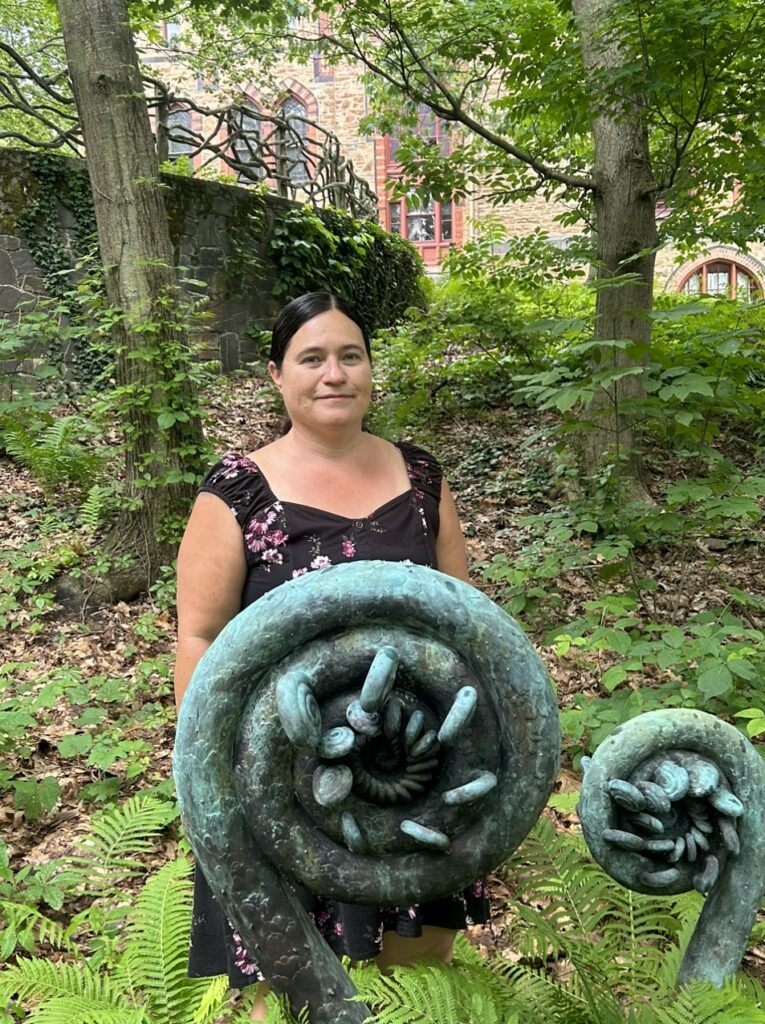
pixel 220 234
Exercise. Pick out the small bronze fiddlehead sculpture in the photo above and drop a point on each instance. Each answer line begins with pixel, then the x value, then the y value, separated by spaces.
pixel 675 800
pixel 378 732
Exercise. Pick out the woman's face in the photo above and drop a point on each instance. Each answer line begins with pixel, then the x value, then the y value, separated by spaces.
pixel 325 378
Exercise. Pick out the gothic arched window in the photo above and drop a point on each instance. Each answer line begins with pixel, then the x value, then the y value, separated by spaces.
pixel 180 141
pixel 293 141
pixel 246 127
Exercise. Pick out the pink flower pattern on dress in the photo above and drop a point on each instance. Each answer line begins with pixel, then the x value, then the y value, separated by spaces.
pixel 349 548
pixel 265 534
pixel 244 961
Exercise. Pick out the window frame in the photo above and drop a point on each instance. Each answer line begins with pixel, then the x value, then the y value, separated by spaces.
pixel 734 269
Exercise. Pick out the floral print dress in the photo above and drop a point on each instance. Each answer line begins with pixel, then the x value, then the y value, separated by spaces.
pixel 283 540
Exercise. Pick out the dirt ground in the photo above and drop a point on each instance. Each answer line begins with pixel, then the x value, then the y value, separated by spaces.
pixel 501 468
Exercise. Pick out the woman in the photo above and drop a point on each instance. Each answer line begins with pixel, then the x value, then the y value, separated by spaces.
pixel 324 493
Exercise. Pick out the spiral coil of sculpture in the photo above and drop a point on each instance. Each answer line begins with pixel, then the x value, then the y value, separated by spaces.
pixel 378 732
pixel 674 800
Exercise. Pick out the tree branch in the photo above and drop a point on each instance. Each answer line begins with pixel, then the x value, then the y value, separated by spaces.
pixel 452 109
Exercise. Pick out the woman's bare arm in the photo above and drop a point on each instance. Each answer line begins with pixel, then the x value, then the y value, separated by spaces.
pixel 450 544
pixel 211 575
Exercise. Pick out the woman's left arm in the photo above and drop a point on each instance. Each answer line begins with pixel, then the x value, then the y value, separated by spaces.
pixel 450 543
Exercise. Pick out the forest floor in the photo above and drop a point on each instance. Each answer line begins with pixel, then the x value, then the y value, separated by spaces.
pixel 116 659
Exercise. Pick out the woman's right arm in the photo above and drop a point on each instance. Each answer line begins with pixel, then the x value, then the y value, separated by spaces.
pixel 211 575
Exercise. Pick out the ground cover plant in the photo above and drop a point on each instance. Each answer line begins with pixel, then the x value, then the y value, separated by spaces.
pixel 633 605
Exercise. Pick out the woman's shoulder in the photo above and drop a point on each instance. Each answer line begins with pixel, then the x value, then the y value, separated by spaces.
pixel 235 479
pixel 415 455
pixel 423 468
pixel 233 466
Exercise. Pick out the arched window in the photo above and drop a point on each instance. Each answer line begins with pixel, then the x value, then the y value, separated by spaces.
pixel 180 141
pixel 429 127
pixel 246 128
pixel 722 277
pixel 292 151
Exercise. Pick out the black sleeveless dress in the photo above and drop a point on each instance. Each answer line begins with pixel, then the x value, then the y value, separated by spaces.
pixel 283 540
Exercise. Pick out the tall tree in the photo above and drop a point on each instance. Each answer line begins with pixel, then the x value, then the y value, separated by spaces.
pixel 162 433
pixel 608 105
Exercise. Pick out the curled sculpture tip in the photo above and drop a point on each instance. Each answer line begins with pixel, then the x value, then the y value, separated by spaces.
pixel 335 710
pixel 681 797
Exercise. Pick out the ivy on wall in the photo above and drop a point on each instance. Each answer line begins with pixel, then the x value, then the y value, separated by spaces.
pixel 62 182
pixel 284 251
pixel 378 273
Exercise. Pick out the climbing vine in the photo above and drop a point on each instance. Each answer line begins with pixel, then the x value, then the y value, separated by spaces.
pixel 62 183
pixel 330 251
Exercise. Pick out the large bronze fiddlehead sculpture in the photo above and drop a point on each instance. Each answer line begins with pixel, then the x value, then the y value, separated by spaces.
pixel 675 800
pixel 380 733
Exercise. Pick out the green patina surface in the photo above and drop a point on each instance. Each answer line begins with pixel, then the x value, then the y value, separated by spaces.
pixel 675 800
pixel 312 747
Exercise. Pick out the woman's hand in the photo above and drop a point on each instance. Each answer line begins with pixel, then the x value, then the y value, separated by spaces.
pixel 211 575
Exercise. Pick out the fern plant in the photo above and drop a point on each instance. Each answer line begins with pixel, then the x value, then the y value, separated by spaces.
pixel 618 951
pixel 111 852
pixel 584 951
pixel 434 993
pixel 146 985
pixel 103 861
pixel 53 453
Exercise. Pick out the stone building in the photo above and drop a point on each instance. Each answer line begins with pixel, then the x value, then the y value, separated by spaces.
pixel 334 97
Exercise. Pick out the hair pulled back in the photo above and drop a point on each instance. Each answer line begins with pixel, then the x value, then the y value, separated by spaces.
pixel 300 311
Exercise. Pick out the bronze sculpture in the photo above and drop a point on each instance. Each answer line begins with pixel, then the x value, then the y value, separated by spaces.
pixel 674 800
pixel 378 732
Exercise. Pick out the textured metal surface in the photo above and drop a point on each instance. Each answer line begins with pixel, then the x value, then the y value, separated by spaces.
pixel 675 800
pixel 399 655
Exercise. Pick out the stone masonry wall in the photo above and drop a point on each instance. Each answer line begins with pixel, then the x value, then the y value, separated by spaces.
pixel 220 234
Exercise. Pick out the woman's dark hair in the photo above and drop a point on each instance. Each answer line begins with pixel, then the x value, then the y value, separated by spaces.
pixel 303 309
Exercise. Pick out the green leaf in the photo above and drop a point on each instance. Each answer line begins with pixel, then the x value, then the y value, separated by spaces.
pixel 715 681
pixel 686 418
pixel 35 798
pixel 612 677
pixel 742 668
pixel 750 713
pixel 74 744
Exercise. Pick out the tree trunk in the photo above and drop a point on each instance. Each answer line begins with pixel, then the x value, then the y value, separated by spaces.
pixel 625 220
pixel 150 345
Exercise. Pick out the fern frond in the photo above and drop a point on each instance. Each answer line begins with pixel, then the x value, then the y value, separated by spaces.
pixel 38 981
pixel 17 441
pixel 697 1003
pixel 109 854
pixel 54 454
pixel 156 954
pixel 93 510
pixel 553 869
pixel 434 993
pixel 212 999
pixel 26 926
pixel 75 1010
pixel 544 998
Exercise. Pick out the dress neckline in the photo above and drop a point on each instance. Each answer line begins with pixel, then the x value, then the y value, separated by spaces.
pixel 336 515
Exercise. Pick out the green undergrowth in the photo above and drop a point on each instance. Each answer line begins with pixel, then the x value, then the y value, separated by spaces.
pixel 578 949
pixel 641 604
